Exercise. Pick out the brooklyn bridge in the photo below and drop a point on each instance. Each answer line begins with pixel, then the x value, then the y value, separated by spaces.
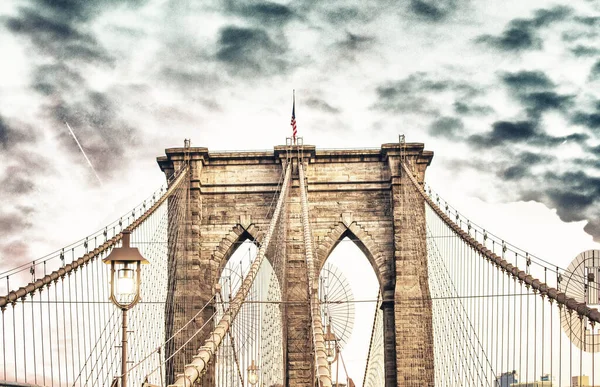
pixel 156 298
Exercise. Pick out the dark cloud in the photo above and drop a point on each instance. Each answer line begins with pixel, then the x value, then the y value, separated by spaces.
pixel 250 50
pixel 319 104
pixel 17 184
pixel 58 37
pixel 505 132
pixel 517 36
pixel 530 158
pixel 447 127
pixel 522 34
pixel 13 223
pixel 356 42
pixel 574 193
pixel 539 102
pixel 411 94
pixel 593 227
pixel 591 21
pixel 527 81
pixel 544 17
pixel 534 90
pixel 96 121
pixel 595 150
pixel 522 164
pixel 268 12
pixel 595 71
pixel 13 133
pixel 591 120
pixel 516 172
pixel 342 15
pixel 570 205
pixel 581 51
pixel 466 108
pixel 56 79
pixel 431 10
pixel 81 11
pixel 575 35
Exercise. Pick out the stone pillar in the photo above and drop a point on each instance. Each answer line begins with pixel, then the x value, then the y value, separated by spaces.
pixel 389 337
pixel 412 299
pixel 190 278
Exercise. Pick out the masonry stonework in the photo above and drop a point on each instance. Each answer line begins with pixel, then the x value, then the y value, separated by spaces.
pixel 361 194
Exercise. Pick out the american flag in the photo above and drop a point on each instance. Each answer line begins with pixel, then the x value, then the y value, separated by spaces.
pixel 294 129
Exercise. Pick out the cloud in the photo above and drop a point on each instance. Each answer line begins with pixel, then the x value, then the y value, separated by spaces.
pixel 583 51
pixel 12 223
pixel 466 108
pixel 413 93
pixel 432 10
pixel 15 251
pixel 96 121
pixel 268 12
pixel 355 42
pixel 447 127
pixel 16 183
pixel 57 36
pixel 515 172
pixel 534 90
pixel 590 120
pixel 321 105
pixel 503 132
pixel 250 50
pixel 538 102
pixel 590 21
pixel 527 81
pixel 595 71
pixel 574 195
pixel 13 133
pixel 522 34
pixel 521 165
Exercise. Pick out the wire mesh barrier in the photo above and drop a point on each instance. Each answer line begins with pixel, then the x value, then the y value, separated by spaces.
pixel 61 329
pixel 235 338
pixel 374 370
pixel 252 349
pixel 498 315
pixel 495 323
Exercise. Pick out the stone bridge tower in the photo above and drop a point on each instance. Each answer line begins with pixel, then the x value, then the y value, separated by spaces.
pixel 357 193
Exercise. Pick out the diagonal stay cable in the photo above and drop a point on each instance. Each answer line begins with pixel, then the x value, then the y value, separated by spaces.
pixel 561 298
pixel 195 369
pixel 32 287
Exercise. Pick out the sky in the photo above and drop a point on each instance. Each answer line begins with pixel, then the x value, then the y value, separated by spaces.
pixel 505 93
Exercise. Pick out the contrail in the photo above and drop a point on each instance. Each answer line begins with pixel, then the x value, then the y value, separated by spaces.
pixel 84 155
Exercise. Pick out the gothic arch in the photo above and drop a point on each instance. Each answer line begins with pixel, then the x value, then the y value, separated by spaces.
pixel 230 242
pixel 363 240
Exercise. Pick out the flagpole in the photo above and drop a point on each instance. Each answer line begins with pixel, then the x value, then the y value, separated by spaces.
pixel 294 129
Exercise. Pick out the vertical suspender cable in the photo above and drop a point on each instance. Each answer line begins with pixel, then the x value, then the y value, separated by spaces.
pixel 197 367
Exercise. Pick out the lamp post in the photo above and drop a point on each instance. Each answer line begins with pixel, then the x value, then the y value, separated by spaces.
pixel 125 288
pixel 330 345
pixel 252 374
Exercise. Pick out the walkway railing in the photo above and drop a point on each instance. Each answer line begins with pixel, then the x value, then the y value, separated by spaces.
pixel 496 323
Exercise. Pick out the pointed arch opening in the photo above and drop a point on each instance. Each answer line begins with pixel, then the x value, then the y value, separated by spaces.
pixel 348 282
pixel 255 335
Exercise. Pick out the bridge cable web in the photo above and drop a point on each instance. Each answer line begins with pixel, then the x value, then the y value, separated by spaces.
pixel 495 323
pixel 64 329
pixel 239 307
pixel 256 334
pixel 374 369
pixel 321 364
